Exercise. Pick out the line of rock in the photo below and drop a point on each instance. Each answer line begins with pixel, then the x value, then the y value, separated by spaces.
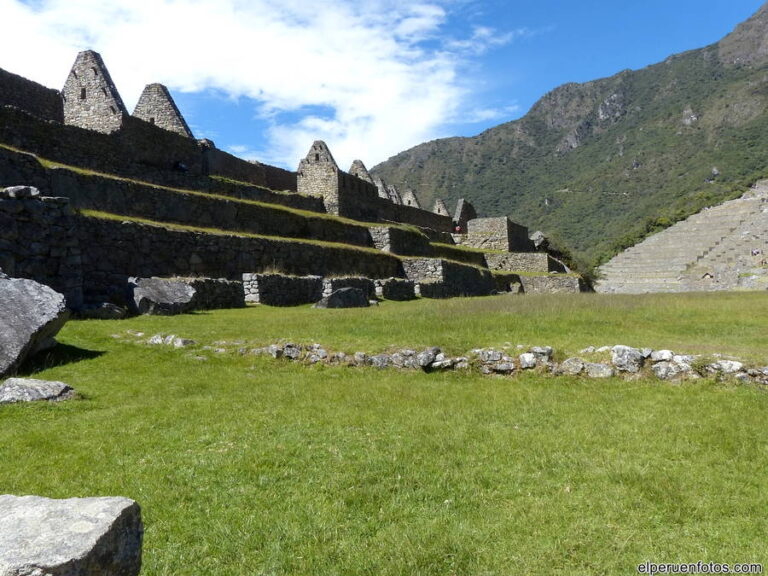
pixel 624 360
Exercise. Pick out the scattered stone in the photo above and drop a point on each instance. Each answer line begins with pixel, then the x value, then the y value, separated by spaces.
pixel 594 370
pixel 727 366
pixel 527 361
pixel 627 359
pixel 503 367
pixel 20 192
pixel 292 351
pixel 31 314
pixel 72 537
pixel 571 366
pixel 380 360
pixel 587 350
pixel 344 298
pixel 665 370
pixel 542 353
pixel 662 355
pixel 360 358
pixel 31 390
pixel 425 358
pixel 646 352
pixel 603 349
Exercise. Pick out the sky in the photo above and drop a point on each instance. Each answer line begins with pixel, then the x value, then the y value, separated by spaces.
pixel 263 79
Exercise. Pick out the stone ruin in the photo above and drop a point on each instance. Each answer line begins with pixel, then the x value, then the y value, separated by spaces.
pixel 137 196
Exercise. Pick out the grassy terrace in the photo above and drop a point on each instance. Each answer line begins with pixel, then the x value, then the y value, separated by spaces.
pixel 184 191
pixel 245 465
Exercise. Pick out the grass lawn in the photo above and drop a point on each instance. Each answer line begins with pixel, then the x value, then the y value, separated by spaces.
pixel 247 465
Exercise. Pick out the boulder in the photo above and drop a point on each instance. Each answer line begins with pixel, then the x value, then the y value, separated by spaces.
pixel 344 298
pixel 31 314
pixel 627 359
pixel 162 296
pixel 72 537
pixel 29 390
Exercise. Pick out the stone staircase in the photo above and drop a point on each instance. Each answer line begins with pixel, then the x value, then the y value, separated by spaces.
pixel 675 259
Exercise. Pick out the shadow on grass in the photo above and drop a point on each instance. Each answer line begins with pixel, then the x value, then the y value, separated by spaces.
pixel 59 355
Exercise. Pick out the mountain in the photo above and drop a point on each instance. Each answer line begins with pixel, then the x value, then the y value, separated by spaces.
pixel 599 165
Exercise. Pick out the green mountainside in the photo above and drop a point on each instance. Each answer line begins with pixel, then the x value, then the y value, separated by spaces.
pixel 597 166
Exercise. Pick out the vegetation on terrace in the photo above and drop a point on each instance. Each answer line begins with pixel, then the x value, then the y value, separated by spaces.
pixel 248 465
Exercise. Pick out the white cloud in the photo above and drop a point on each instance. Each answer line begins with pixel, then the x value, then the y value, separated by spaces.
pixel 377 65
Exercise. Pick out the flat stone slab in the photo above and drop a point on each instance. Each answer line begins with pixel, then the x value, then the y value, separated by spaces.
pixel 31 314
pixel 72 537
pixel 31 390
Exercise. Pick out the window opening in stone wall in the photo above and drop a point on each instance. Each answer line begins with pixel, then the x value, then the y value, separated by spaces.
pixel 82 93
pixel 95 72
pixel 317 157
pixel 104 91
pixel 151 120
pixel 113 109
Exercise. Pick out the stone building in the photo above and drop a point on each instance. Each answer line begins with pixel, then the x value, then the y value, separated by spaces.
pixel 91 99
pixel 409 198
pixel 157 107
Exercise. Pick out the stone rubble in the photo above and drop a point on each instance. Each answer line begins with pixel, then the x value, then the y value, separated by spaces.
pixel 624 361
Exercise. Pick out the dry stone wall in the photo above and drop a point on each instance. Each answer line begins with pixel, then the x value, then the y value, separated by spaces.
pixel 42 102
pixel 282 290
pixel 524 262
pixel 553 284
pixel 113 251
pixel 38 241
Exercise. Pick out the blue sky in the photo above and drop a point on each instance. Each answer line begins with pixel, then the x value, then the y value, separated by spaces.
pixel 264 78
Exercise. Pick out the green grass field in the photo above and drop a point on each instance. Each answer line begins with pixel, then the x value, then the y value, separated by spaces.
pixel 248 465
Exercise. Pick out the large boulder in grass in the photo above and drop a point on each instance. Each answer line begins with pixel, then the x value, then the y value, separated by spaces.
pixel 345 298
pixel 31 314
pixel 168 296
pixel 162 296
pixel 72 537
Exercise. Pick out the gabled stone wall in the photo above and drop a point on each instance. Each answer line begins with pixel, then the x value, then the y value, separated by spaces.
pixel 91 99
pixel 157 107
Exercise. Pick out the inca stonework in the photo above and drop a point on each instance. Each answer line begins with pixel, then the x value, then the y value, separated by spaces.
pixel 155 202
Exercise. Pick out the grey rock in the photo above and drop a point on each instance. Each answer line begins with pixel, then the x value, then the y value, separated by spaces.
pixel 345 298
pixel 665 370
pixel 360 358
pixel 727 366
pixel 662 355
pixel 72 537
pixel 162 296
pixel 587 350
pixel 646 352
pixel 20 192
pixel 571 366
pixel 426 357
pixel 292 351
pixel 527 361
pixel 627 359
pixel 594 370
pixel 543 353
pixel 30 390
pixel 444 364
pixel 602 349
pixel 489 355
pixel 503 367
pixel 381 360
pixel 31 314
pixel 182 342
